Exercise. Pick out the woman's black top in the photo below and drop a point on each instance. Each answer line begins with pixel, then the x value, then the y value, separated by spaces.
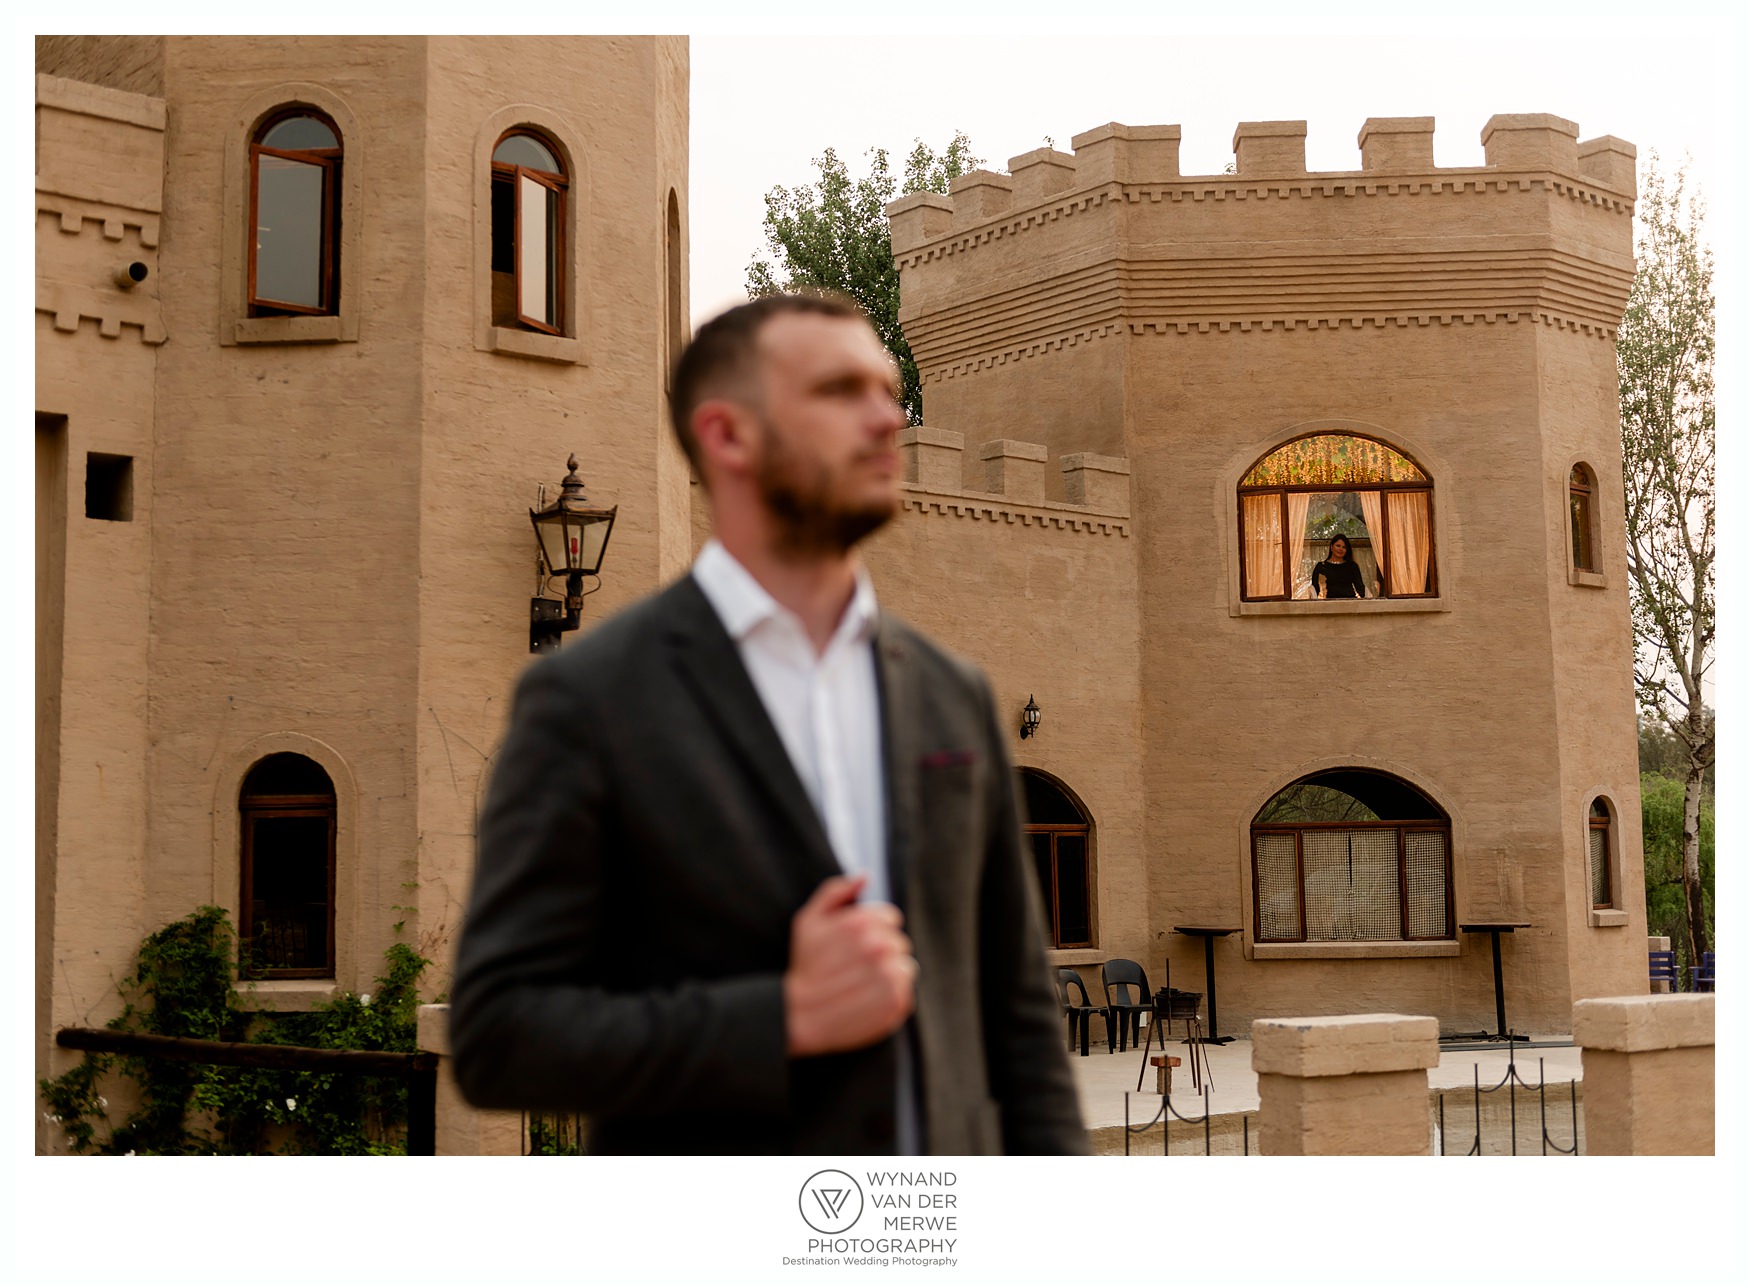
pixel 1342 580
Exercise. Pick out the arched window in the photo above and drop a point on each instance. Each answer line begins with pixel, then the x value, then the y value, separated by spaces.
pixel 294 203
pixel 1347 855
pixel 1582 518
pixel 1058 836
pixel 1299 499
pixel 1598 854
pixel 286 922
pixel 528 233
pixel 677 326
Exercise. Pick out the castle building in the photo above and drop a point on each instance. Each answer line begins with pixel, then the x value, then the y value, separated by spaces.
pixel 1417 362
pixel 317 319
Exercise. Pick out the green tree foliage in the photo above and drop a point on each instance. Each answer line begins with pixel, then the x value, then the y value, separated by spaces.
pixel 832 235
pixel 181 985
pixel 1662 811
pixel 1665 361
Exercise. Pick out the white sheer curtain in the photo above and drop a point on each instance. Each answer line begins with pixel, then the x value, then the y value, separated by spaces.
pixel 1298 504
pixel 1375 532
pixel 1263 530
pixel 1410 541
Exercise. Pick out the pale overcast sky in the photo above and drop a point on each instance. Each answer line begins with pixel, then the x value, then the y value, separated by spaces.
pixel 767 99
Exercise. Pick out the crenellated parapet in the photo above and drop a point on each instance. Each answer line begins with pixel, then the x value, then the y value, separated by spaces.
pixel 1072 248
pixel 1095 487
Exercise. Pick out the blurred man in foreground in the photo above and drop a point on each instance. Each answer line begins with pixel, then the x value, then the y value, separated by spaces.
pixel 750 878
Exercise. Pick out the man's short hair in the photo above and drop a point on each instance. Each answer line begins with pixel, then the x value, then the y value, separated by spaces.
pixel 722 356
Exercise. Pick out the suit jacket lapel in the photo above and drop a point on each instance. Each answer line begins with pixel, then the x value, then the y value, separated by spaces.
pixel 896 679
pixel 708 662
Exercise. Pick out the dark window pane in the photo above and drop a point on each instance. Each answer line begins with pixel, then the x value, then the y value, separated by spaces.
pixel 287 774
pixel 288 902
pixel 1041 846
pixel 1598 854
pixel 520 149
pixel 1580 521
pixel 1075 925
pixel 288 232
pixel 1046 804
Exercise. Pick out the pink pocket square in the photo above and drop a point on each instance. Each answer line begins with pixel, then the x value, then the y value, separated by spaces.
pixel 947 758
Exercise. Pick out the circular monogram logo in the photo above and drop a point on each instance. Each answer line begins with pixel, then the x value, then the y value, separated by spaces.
pixel 831 1202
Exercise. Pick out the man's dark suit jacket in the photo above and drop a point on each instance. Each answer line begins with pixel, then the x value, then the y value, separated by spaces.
pixel 643 848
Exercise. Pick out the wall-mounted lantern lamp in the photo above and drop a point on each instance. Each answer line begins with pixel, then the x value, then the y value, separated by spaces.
pixel 573 534
pixel 1029 718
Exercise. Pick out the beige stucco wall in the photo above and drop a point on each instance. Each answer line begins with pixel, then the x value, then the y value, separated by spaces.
pixel 330 551
pixel 100 162
pixel 1041 596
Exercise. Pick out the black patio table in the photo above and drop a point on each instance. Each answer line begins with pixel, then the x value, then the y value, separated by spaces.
pixel 1495 930
pixel 1209 935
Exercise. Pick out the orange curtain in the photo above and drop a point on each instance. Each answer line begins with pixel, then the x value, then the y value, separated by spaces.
pixel 1375 532
pixel 1298 504
pixel 1263 530
pixel 1411 541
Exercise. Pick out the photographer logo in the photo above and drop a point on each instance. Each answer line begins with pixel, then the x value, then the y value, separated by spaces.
pixel 831 1202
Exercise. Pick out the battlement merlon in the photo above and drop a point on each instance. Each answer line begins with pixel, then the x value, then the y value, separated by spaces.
pixel 1401 147
pixel 1126 154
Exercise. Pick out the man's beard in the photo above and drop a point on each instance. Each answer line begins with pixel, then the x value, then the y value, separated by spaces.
pixel 807 519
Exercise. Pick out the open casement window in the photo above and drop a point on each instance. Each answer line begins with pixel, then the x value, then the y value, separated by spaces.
pixel 1598 855
pixel 1297 500
pixel 1058 838
pixel 294 206
pixel 1351 856
pixel 1580 520
pixel 286 918
pixel 528 234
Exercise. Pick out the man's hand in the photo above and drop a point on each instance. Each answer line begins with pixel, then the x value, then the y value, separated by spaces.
pixel 851 975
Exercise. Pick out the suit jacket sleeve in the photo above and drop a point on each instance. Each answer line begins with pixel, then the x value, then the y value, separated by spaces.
pixel 1028 1071
pixel 532 1026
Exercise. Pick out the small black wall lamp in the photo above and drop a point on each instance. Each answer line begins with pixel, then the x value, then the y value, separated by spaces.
pixel 1029 718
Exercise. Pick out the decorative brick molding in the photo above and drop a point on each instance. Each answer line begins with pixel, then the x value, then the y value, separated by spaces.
pixel 998 510
pixel 110 220
pixel 111 310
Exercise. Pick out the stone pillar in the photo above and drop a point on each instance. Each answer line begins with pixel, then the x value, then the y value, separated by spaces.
pixel 931 457
pixel 463 1130
pixel 1348 1085
pixel 1014 470
pixel 1098 481
pixel 1648 1063
pixel 1270 147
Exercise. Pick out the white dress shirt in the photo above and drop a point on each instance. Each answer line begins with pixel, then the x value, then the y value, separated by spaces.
pixel 827 711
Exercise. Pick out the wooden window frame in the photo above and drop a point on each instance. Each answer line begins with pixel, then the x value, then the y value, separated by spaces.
pixel 1403 829
pixel 1053 905
pixel 1596 823
pixel 559 183
pixel 328 159
pixel 1581 524
pixel 1379 542
pixel 253 808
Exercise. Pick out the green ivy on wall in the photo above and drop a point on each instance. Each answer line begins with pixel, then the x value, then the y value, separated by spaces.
pixel 182 985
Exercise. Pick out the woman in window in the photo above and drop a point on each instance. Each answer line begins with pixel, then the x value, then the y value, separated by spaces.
pixel 1340 576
